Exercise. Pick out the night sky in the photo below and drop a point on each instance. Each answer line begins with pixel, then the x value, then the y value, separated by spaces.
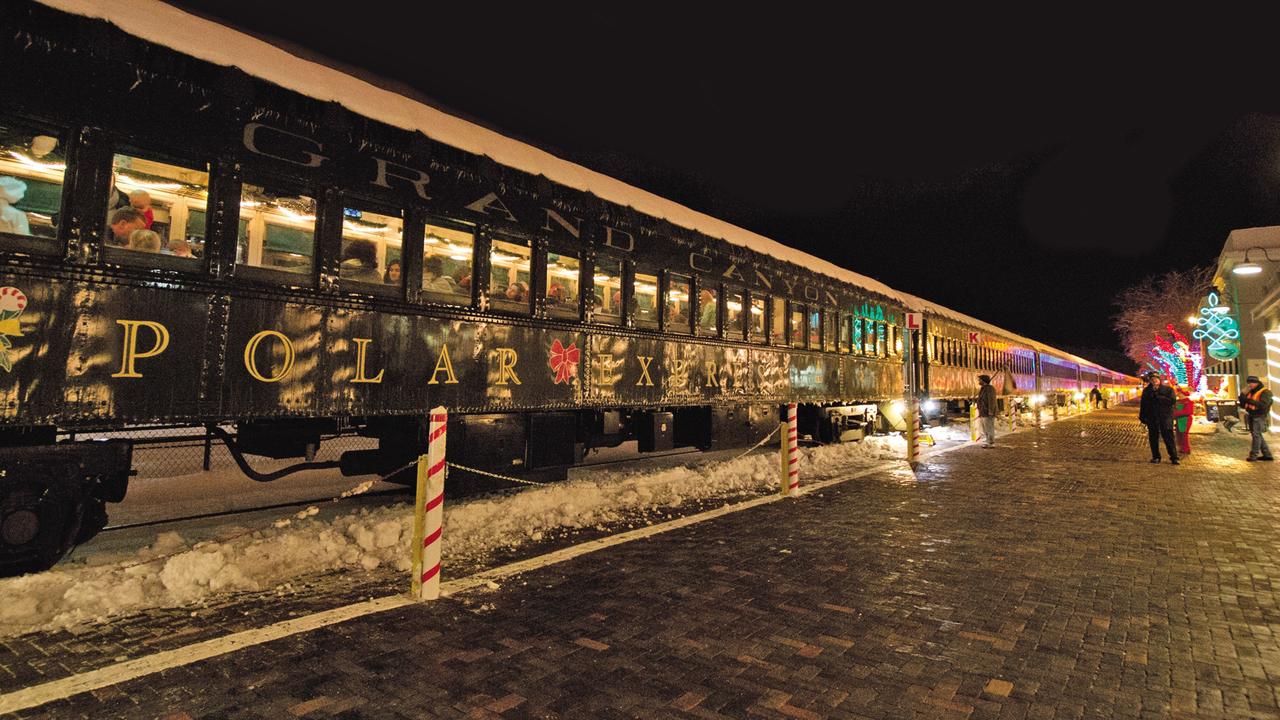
pixel 1019 169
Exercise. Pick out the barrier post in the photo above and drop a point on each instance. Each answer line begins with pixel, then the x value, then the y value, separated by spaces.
pixel 789 457
pixel 913 433
pixel 1055 406
pixel 428 514
pixel 973 421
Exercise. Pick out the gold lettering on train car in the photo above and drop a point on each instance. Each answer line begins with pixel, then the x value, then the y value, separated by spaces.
pixel 831 298
pixel 250 142
pixel 700 262
pixel 507 359
pixel 812 297
pixel 362 348
pixel 608 239
pixel 713 376
pixel 443 364
pixel 574 230
pixel 791 286
pixel 251 351
pixel 644 371
pixel 762 279
pixel 733 273
pixel 492 200
pixel 419 183
pixel 130 352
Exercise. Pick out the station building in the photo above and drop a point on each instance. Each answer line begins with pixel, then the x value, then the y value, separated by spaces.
pixel 1246 303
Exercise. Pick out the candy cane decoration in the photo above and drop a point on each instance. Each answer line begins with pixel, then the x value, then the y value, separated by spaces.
pixel 428 516
pixel 789 462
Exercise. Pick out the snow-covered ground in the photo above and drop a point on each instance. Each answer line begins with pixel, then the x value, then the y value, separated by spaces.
pixel 102 581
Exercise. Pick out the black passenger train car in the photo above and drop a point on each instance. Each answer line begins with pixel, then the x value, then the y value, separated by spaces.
pixel 184 241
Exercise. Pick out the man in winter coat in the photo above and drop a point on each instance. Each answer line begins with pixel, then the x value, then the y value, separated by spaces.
pixel 987 409
pixel 1156 412
pixel 1257 402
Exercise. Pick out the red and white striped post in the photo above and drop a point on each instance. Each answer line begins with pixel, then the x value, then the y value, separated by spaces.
pixel 428 515
pixel 789 458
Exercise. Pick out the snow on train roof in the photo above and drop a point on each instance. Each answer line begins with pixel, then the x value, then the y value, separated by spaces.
pixel 171 27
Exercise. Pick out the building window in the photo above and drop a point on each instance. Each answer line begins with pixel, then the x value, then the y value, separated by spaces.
pixel 32 169
pixel 562 285
pixel 509 276
pixel 153 205
pixel 447 254
pixel 279 229
pixel 677 303
pixel 371 247
pixel 607 283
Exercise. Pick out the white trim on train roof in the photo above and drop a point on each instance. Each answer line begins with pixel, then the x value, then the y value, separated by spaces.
pixel 165 25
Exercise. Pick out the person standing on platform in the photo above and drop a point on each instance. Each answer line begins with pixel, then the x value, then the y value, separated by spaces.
pixel 987 409
pixel 1155 410
pixel 1256 401
pixel 1095 397
pixel 1183 415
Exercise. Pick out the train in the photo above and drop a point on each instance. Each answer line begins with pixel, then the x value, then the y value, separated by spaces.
pixel 200 229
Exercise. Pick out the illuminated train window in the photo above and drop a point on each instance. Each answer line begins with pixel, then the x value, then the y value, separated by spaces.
pixel 855 334
pixel 156 208
pixel 446 264
pixel 708 310
pixel 677 304
pixel 509 276
pixel 798 325
pixel 32 166
pixel 829 318
pixel 644 299
pixel 278 231
pixel 778 322
pixel 371 248
pixel 734 312
pixel 757 322
pixel 562 285
pixel 815 328
pixel 607 282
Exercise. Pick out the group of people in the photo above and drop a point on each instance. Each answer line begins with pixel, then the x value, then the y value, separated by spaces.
pixel 129 226
pixel 1160 406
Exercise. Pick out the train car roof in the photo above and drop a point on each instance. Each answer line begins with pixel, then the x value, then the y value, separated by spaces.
pixel 171 27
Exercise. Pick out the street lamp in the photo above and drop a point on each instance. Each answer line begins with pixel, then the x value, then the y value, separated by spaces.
pixel 1251 268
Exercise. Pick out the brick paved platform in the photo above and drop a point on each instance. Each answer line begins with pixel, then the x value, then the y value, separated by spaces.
pixel 1057 576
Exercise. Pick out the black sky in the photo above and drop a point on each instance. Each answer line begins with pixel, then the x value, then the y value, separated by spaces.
pixel 1020 168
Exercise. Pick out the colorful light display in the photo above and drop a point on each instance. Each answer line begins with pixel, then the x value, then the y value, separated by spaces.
pixel 1216 325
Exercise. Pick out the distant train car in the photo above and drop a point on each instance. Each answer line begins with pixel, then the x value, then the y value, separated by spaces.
pixel 183 242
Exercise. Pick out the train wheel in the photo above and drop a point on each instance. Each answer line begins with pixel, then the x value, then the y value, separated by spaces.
pixel 37 527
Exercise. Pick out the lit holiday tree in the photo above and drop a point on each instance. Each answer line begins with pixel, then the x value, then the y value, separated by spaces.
pixel 1176 360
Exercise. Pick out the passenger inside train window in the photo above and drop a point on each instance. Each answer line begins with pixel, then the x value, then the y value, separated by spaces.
pixel 32 169
pixel 509 276
pixel 757 326
pixel 644 299
pixel 143 240
pixel 607 286
pixel 279 229
pixel 798 325
pixel 677 304
pixel 707 311
pixel 370 242
pixel 778 322
pixel 166 196
pixel 733 312
pixel 562 285
pixel 815 328
pixel 446 265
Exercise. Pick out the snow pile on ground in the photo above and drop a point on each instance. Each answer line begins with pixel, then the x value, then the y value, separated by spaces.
pixel 171 572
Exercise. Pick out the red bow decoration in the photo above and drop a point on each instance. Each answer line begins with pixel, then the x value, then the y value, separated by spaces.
pixel 564 361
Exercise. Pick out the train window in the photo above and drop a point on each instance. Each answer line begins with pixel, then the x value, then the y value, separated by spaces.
pixel 882 340
pixel 778 322
pixel 815 328
pixel 677 303
pixel 829 318
pixel 798 325
pixel 733 314
pixel 842 342
pixel 757 326
pixel 150 208
pixel 446 264
pixel 856 335
pixel 279 232
pixel 562 285
pixel 32 167
pixel 509 276
pixel 708 307
pixel 371 245
pixel 644 299
pixel 607 282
